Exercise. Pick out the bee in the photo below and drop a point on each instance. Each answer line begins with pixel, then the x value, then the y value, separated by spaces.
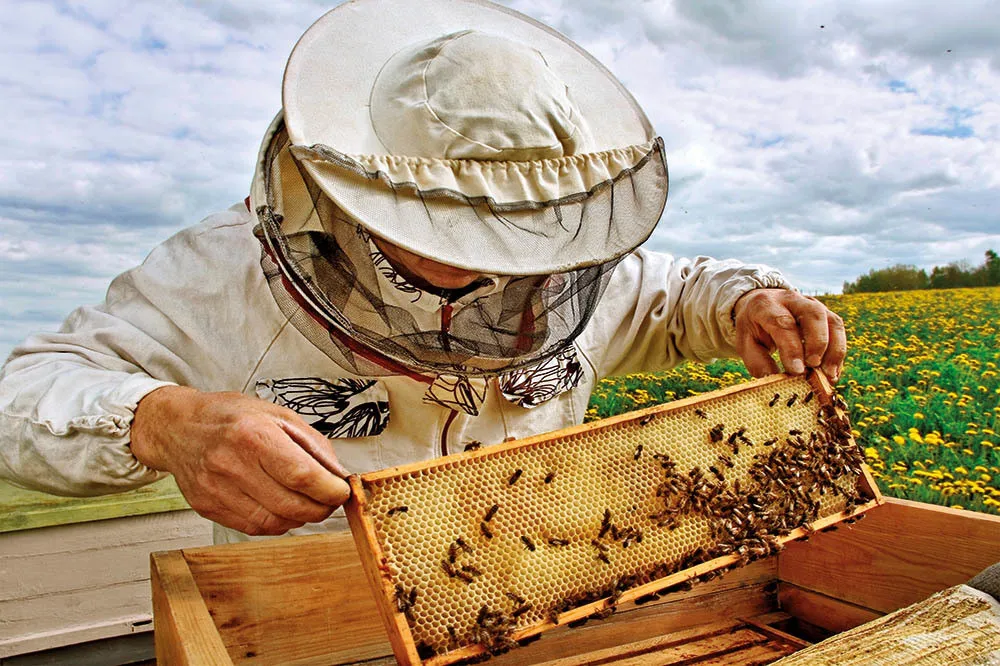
pixel 808 398
pixel 794 432
pixel 715 470
pixel 452 553
pixel 529 544
pixel 397 509
pixel 405 601
pixel 791 401
pixel 646 419
pixel 485 530
pixel 549 477
pixel 491 512
pixel 452 636
pixel 516 598
pixel 473 445
pixel 716 432
pixel 605 524
pixel 460 542
pixel 638 452
pixel 471 570
pixel 521 610
pixel 774 400
pixel 701 413
pixel 514 477
pixel 727 461
pixel 603 557
pixel 558 542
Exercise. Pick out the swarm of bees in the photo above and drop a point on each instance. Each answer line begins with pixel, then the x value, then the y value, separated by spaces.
pixel 749 495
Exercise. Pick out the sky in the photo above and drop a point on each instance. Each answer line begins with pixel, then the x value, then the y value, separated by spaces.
pixel 822 138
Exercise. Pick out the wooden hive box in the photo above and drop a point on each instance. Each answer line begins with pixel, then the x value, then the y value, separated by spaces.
pixel 306 600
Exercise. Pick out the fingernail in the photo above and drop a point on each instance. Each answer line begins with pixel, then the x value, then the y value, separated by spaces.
pixel 814 361
pixel 797 367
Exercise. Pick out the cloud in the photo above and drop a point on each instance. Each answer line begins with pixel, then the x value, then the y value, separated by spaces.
pixel 824 138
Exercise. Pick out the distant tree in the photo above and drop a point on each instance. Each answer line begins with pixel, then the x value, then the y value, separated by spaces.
pixel 992 268
pixel 902 277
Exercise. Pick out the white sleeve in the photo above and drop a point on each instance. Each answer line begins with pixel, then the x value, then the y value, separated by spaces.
pixel 659 311
pixel 185 316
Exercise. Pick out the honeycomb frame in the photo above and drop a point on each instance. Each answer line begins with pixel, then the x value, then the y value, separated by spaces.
pixel 375 514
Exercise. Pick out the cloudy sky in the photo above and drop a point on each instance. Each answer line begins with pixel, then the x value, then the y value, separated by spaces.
pixel 824 138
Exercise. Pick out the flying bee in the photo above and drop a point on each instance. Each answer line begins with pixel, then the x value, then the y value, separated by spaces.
pixel 638 452
pixel 528 543
pixel 397 509
pixel 791 401
pixel 485 530
pixel 701 413
pixel 774 400
pixel 549 477
pixel 808 398
pixel 491 512
pixel 716 432
pixel 514 477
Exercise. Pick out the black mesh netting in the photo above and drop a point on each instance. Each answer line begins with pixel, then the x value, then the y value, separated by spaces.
pixel 337 288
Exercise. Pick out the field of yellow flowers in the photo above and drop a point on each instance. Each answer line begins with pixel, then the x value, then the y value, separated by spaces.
pixel 922 382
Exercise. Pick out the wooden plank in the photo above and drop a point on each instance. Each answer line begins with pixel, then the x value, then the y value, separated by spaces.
pixel 22 509
pixel 87 581
pixel 825 612
pixel 645 623
pixel 185 634
pixel 777 634
pixel 757 655
pixel 300 600
pixel 373 564
pixel 671 648
pixel 903 552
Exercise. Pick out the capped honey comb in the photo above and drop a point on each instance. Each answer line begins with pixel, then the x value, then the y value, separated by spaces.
pixel 472 553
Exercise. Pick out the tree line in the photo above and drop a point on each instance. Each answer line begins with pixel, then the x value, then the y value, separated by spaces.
pixel 903 277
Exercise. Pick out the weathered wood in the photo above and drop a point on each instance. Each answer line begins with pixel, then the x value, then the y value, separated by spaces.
pixel 373 564
pixel 777 634
pixel 82 582
pixel 757 655
pixel 22 509
pixel 686 610
pixel 185 635
pixel 901 553
pixel 825 612
pixel 302 600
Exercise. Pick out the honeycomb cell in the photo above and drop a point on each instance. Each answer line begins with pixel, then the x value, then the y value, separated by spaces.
pixel 497 541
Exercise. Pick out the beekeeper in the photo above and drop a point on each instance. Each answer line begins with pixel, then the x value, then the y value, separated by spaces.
pixel 439 248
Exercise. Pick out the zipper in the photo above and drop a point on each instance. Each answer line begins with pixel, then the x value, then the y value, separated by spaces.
pixel 444 432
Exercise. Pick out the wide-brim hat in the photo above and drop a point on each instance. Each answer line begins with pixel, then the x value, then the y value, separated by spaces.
pixel 470 134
